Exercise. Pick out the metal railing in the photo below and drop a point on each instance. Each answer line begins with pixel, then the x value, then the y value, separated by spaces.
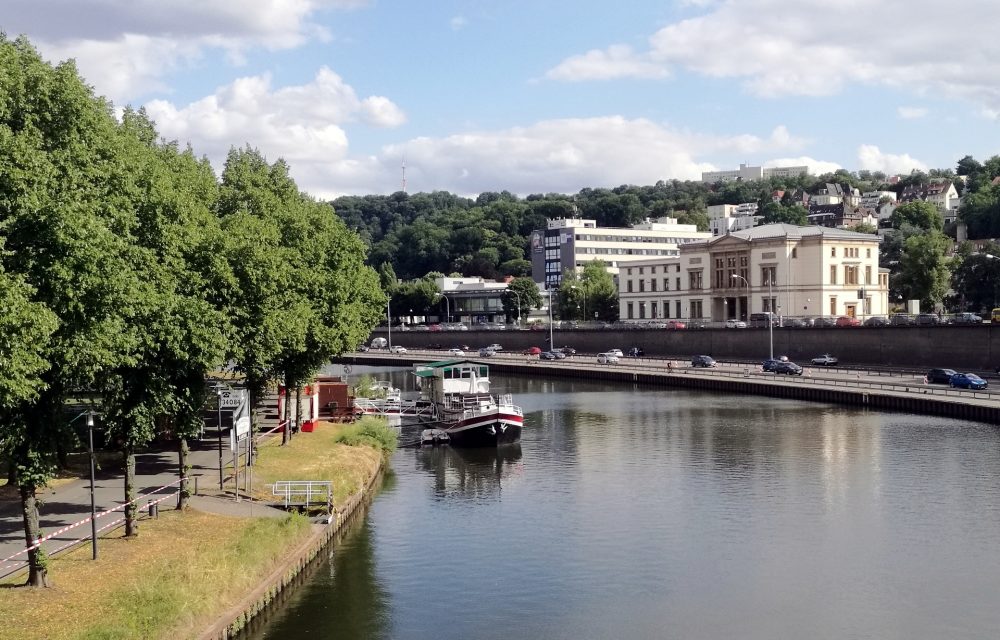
pixel 303 493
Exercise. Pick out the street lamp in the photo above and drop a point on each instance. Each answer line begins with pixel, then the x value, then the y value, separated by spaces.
pixel 573 286
pixel 551 343
pixel 735 276
pixel 388 323
pixel 218 387
pixel 93 505
pixel 447 307
pixel 770 315
pixel 518 298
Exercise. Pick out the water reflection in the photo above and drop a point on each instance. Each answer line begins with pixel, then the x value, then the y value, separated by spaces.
pixel 469 474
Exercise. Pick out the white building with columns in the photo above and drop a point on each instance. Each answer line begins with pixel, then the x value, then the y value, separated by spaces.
pixel 781 268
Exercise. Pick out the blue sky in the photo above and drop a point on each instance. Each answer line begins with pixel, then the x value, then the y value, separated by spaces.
pixel 543 96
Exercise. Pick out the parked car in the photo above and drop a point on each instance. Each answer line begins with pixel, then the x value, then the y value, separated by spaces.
pixel 825 360
pixel 607 358
pixel 876 321
pixel 703 361
pixel 901 320
pixel 735 324
pixel 928 319
pixel 940 376
pixel 789 368
pixel 968 381
pixel 770 364
pixel 486 352
pixel 758 320
pixel 966 318
pixel 848 321
pixel 531 351
pixel 398 349
pixel 635 352
pixel 655 325
pixel 547 355
pixel 455 351
pixel 796 323
pixel 615 352
pixel 676 324
pixel 825 321
pixel 434 327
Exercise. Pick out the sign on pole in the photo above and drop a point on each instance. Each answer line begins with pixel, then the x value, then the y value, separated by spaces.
pixel 231 398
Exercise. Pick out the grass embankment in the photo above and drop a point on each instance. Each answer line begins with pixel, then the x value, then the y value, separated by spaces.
pixel 185 569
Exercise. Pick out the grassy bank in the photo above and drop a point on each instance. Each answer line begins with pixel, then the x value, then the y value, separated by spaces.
pixel 185 569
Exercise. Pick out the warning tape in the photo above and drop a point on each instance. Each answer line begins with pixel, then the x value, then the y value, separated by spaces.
pixel 39 542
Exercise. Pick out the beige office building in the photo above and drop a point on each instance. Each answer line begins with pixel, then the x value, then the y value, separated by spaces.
pixel 781 268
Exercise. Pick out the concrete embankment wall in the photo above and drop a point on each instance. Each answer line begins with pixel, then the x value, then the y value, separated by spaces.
pixel 972 348
pixel 913 398
pixel 293 571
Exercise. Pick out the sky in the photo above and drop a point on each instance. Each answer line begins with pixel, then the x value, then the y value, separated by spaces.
pixel 540 96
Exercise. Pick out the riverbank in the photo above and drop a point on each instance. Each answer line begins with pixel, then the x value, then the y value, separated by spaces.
pixel 198 573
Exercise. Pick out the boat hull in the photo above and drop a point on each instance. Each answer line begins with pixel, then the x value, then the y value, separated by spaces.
pixel 484 431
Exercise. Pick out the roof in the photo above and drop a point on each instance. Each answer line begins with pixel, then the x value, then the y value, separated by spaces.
pixel 794 232
pixel 427 369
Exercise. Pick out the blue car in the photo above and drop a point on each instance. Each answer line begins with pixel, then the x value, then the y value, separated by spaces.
pixel 968 381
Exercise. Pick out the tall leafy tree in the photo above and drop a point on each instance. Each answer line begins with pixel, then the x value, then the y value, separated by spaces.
pixel 522 297
pixel 918 214
pixel 924 269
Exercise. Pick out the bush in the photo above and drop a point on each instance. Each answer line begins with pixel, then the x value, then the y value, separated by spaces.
pixel 369 431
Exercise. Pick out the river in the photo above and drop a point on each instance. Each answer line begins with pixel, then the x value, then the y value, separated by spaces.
pixel 661 513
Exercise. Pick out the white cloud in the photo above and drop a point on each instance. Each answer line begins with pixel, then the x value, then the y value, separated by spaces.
pixel 303 124
pixel 126 47
pixel 912 113
pixel 871 157
pixel 815 48
pixel 618 61
pixel 458 23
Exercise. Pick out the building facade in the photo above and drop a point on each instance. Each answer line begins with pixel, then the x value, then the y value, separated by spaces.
pixel 747 172
pixel 570 243
pixel 778 268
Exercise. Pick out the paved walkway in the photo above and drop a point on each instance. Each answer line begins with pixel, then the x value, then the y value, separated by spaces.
pixel 70 503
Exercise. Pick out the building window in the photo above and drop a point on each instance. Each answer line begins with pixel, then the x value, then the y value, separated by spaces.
pixel 768 276
pixel 694 280
pixel 795 252
pixel 833 252
pixel 666 284
pixel 678 283
pixel 696 309
pixel 652 310
pixel 868 274
pixel 630 271
pixel 833 274
pixel 850 275
pixel 652 285
pixel 833 306
pixel 641 270
pixel 628 286
pixel 642 310
pixel 769 305
pixel 677 308
pixel 628 308
pixel 652 270
pixel 642 285
pixel 868 252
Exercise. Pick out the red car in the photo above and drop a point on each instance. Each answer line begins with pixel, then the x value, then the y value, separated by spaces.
pixel 676 324
pixel 848 321
pixel 434 327
pixel 531 351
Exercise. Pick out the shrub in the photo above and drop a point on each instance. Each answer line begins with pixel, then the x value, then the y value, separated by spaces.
pixel 369 431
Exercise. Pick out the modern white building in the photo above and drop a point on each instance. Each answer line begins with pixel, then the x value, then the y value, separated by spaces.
pixel 570 243
pixel 779 268
pixel 747 172
pixel 722 226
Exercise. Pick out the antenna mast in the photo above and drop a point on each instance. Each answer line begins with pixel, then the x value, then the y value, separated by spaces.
pixel 403 189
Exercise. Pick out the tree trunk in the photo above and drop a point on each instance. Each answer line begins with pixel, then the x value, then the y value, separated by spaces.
pixel 286 432
pixel 183 468
pixel 38 573
pixel 131 511
pixel 298 406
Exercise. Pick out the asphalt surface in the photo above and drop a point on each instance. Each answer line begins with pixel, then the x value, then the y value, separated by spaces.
pixel 70 503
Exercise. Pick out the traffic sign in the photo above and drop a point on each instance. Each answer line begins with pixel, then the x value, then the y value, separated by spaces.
pixel 231 398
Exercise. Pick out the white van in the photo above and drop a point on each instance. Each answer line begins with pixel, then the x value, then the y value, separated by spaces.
pixel 379 343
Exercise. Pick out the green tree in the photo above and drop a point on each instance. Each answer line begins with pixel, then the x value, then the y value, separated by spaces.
pixel 774 212
pixel 976 278
pixel 527 297
pixel 919 214
pixel 924 271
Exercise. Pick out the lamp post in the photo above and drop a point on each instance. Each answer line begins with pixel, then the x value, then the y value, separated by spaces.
pixel 447 307
pixel 218 386
pixel 995 285
pixel 388 323
pixel 93 505
pixel 518 298
pixel 735 276
pixel 551 342
pixel 584 291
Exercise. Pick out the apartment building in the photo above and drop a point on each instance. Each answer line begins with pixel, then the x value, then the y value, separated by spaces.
pixel 747 172
pixel 779 268
pixel 570 243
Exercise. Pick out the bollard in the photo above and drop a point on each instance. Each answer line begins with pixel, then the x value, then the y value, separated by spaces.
pixel 195 486
pixel 154 511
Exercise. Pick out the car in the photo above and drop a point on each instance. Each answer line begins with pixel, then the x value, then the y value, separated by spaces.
pixel 547 355
pixel 435 345
pixel 676 324
pixel 486 352
pixel 825 321
pixel 455 351
pixel 615 352
pixel 902 320
pixel 635 352
pixel 966 318
pixel 762 320
pixel 495 347
pixel 848 321
pixel 789 368
pixel 928 319
pixel 770 364
pixel 968 381
pixel 797 323
pixel 567 351
pixel 398 349
pixel 380 343
pixel 362 348
pixel 825 360
pixel 703 361
pixel 434 327
pixel 735 324
pixel 536 326
pixel 607 358
pixel 876 321
pixel 655 325
pixel 940 376
pixel 558 354
pixel 531 351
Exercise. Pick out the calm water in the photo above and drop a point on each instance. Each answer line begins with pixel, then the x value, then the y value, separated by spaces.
pixel 638 513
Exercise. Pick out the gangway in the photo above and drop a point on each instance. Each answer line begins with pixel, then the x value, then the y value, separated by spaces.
pixel 395 406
